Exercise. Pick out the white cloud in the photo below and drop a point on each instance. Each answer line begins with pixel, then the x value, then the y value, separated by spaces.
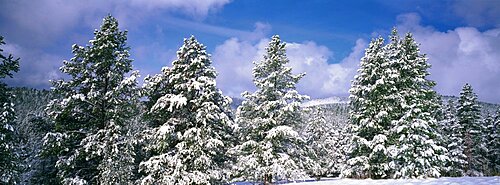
pixel 233 59
pixel 323 79
pixel 459 56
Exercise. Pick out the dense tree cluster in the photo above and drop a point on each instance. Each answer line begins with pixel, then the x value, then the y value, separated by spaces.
pixel 97 126
pixel 397 124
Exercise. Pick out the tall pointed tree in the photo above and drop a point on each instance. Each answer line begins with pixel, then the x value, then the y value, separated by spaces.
pixel 369 116
pixel 418 154
pixel 270 148
pixel 489 136
pixel 9 163
pixel 91 116
pixel 454 141
pixel 494 144
pixel 192 122
pixel 469 117
pixel 392 114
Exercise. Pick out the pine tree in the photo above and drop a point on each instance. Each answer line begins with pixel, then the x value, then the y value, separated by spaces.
pixel 416 132
pixel 192 122
pixel 271 148
pixel 369 116
pixel 393 119
pixel 454 142
pixel 91 116
pixel 494 145
pixel 9 161
pixel 469 118
pixel 489 135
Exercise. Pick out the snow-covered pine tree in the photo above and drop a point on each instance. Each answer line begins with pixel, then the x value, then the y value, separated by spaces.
pixel 393 114
pixel 9 161
pixel 415 133
pixel 90 117
pixel 454 142
pixel 270 148
pixel 469 118
pixel 494 145
pixel 370 116
pixel 443 131
pixel 193 125
pixel 488 137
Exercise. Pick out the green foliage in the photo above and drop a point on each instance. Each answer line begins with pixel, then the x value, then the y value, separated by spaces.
pixel 191 122
pixel 472 129
pixel 9 160
pixel 270 148
pixel 494 145
pixel 393 114
pixel 90 118
pixel 454 142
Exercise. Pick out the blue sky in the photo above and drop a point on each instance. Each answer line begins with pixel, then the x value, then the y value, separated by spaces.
pixel 325 38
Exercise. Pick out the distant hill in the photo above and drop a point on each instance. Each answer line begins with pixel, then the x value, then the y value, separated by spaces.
pixel 486 107
pixel 326 101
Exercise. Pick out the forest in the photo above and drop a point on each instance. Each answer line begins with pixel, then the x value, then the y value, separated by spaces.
pixel 100 126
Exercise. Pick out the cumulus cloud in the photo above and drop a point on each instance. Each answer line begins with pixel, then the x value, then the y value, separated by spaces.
pixel 322 78
pixel 459 56
pixel 233 59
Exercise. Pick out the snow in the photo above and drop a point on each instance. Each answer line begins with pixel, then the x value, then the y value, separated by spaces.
pixel 430 181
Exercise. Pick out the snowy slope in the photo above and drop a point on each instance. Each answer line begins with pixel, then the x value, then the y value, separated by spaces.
pixel 486 107
pixel 440 181
pixel 325 101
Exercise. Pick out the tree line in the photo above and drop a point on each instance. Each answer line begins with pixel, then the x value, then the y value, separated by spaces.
pixel 178 128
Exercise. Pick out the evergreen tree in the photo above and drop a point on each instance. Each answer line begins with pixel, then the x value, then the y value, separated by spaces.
pixel 192 122
pixel 494 145
pixel 271 148
pixel 454 142
pixel 369 116
pixel 489 135
pixel 416 132
pixel 9 161
pixel 91 116
pixel 469 118
pixel 393 115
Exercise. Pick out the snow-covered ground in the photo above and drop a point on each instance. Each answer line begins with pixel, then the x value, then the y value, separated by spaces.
pixel 440 181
